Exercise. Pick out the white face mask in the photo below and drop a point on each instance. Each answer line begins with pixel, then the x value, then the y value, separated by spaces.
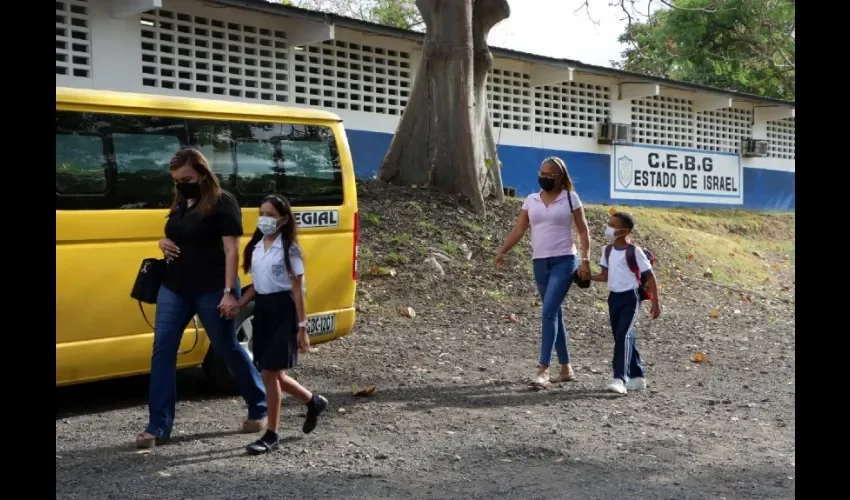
pixel 267 225
pixel 610 234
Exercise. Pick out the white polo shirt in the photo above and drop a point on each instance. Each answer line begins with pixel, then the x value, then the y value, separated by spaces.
pixel 268 269
pixel 620 277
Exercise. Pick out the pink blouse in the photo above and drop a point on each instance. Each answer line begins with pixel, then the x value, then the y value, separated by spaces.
pixel 552 226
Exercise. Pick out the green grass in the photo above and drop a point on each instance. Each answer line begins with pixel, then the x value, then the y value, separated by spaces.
pixel 740 247
pixel 473 227
pixel 401 238
pixel 395 258
pixel 450 247
pixel 372 219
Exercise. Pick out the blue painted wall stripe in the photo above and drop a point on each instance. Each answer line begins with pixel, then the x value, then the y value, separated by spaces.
pixel 766 190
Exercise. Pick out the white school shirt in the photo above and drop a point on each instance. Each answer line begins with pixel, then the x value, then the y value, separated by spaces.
pixel 268 269
pixel 620 277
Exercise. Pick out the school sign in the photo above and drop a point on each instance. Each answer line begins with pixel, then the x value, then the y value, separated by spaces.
pixel 678 175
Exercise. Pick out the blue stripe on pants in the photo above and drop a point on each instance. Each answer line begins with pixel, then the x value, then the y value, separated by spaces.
pixel 623 308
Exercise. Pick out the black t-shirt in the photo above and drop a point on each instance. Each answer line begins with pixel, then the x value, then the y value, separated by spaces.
pixel 200 266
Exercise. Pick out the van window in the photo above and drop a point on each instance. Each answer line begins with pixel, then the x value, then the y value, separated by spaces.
pixel 111 161
pixel 80 165
pixel 142 169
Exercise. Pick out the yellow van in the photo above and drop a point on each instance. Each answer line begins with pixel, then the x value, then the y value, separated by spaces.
pixel 113 188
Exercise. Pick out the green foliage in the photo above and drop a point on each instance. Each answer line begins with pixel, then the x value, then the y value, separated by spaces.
pixel 742 45
pixel 397 13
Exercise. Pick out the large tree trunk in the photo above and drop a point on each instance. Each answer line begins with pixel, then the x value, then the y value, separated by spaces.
pixel 445 138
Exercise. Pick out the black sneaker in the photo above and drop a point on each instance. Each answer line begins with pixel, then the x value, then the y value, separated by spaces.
pixel 270 441
pixel 315 407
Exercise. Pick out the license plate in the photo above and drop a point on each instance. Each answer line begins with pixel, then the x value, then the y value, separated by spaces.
pixel 320 325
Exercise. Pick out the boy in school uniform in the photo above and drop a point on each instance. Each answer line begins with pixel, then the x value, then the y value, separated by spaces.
pixel 624 298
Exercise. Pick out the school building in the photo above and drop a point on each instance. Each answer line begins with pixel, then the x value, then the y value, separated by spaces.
pixel 626 138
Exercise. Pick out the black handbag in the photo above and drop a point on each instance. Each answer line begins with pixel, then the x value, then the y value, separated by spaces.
pixel 148 281
pixel 146 289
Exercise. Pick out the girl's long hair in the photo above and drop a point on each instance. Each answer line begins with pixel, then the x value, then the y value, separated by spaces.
pixel 287 231
pixel 210 186
pixel 566 181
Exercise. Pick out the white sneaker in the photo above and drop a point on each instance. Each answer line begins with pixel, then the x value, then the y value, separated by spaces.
pixel 617 386
pixel 636 384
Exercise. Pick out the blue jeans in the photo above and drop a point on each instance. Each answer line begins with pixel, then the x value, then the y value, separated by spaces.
pixel 173 313
pixel 553 276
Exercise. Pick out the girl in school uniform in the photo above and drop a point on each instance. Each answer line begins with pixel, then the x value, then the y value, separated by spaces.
pixel 276 264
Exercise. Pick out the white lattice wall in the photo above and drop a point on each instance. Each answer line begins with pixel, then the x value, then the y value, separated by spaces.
pixel 722 130
pixel 509 99
pixel 571 108
pixel 211 56
pixel 781 136
pixel 663 121
pixel 345 75
pixel 194 47
pixel 73 38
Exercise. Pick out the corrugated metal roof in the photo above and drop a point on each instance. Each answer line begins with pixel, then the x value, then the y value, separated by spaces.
pixel 356 24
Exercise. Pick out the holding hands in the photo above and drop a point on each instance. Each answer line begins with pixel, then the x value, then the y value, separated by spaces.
pixel 584 270
pixel 228 308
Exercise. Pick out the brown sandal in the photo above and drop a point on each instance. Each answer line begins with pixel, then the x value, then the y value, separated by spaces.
pixel 145 440
pixel 250 426
pixel 569 377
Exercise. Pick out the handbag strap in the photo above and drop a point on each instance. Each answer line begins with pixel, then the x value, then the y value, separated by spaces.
pixel 194 321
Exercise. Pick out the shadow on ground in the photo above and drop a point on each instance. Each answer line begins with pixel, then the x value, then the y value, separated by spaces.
pixel 98 397
pixel 116 394
pixel 481 475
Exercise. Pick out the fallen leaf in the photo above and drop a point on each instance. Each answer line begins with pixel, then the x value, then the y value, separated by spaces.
pixel 691 257
pixel 715 313
pixel 382 271
pixel 408 312
pixel 512 317
pixel 699 358
pixel 365 392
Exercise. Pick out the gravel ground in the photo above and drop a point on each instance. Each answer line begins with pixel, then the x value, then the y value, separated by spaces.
pixel 452 416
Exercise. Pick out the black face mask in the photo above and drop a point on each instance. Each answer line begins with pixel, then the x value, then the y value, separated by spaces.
pixel 189 190
pixel 546 184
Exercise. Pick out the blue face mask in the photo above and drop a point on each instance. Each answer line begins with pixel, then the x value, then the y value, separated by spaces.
pixel 267 225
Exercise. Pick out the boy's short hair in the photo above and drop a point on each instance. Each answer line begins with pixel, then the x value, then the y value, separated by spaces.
pixel 626 219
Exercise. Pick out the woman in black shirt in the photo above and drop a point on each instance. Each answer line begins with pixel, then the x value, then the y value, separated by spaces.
pixel 201 245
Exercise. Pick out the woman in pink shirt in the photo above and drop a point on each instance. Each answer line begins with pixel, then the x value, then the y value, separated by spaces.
pixel 550 214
